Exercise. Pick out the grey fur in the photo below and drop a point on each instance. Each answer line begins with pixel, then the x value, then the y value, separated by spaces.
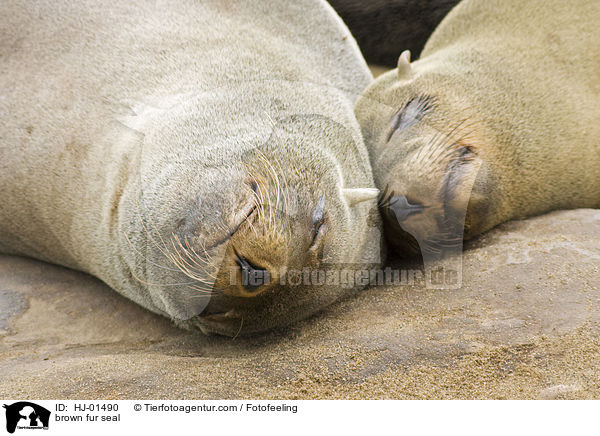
pixel 136 137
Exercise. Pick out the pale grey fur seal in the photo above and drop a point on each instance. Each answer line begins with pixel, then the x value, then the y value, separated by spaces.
pixel 172 148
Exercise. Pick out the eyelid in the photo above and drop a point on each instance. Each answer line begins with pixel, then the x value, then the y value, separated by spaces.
pixel 319 212
pixel 412 112
pixel 317 230
pixel 317 236
pixel 318 219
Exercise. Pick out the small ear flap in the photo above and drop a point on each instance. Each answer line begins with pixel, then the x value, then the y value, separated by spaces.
pixel 404 68
pixel 353 196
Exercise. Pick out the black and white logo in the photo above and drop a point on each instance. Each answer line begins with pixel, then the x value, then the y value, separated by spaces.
pixel 26 415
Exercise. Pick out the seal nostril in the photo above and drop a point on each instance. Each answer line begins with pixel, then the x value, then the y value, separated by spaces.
pixel 253 185
pixel 401 208
pixel 253 277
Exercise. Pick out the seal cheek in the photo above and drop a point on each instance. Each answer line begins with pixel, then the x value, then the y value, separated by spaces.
pixel 459 178
pixel 457 191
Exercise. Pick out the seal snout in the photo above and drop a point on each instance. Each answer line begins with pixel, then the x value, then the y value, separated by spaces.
pixel 253 277
pixel 400 208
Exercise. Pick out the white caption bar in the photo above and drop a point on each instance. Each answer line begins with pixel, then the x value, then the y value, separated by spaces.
pixel 45 418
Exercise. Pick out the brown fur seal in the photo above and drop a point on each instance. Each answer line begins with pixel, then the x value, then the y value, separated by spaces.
pixel 189 154
pixel 383 28
pixel 499 118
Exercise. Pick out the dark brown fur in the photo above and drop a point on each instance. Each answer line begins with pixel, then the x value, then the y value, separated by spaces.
pixel 383 28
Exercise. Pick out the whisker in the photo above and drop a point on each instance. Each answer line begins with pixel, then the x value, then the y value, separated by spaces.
pixel 240 329
pixel 164 250
pixel 186 268
pixel 145 257
pixel 194 265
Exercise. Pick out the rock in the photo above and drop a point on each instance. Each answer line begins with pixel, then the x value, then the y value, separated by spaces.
pixel 12 304
pixel 524 324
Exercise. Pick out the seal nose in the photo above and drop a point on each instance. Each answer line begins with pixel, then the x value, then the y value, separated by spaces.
pixel 401 208
pixel 253 277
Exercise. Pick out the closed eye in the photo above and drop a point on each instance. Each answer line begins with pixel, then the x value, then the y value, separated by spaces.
pixel 227 237
pixel 318 229
pixel 319 220
pixel 411 113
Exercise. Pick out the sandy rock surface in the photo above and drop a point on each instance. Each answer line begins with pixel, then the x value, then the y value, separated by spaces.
pixel 525 324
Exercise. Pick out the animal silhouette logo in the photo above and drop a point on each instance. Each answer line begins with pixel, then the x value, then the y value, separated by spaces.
pixel 26 415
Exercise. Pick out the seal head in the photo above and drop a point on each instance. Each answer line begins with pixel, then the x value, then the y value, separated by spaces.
pixel 194 156
pixel 219 251
pixel 427 169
